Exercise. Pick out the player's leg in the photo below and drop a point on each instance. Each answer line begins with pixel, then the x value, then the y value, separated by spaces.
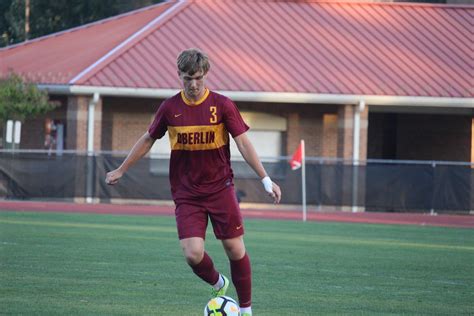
pixel 241 271
pixel 228 227
pixel 191 221
pixel 198 259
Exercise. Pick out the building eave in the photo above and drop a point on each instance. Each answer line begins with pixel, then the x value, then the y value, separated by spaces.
pixel 270 97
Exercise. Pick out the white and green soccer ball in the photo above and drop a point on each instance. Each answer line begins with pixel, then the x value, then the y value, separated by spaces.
pixel 222 306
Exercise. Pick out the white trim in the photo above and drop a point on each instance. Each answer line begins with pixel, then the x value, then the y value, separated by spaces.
pixel 130 92
pixel 356 134
pixel 274 97
pixel 90 123
pixel 128 40
pixel 291 97
pixel 358 109
pixel 110 91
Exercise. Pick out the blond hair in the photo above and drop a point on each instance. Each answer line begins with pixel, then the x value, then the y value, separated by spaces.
pixel 193 60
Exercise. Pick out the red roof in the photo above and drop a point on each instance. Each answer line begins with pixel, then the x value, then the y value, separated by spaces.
pixel 272 46
pixel 59 57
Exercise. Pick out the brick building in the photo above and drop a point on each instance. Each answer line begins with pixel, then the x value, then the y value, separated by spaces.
pixel 384 80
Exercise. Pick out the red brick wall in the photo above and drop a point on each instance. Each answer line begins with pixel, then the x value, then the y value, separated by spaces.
pixel 307 127
pixel 98 125
pixel 327 130
pixel 329 135
pixel 345 131
pixel 293 134
pixel 305 121
pixel 312 133
pixel 72 112
pixel 33 129
pixel 76 126
pixel 125 120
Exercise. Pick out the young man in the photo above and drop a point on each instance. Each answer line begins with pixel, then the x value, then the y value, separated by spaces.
pixel 198 122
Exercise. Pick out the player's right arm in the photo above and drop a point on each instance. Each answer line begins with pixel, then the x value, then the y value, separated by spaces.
pixel 141 147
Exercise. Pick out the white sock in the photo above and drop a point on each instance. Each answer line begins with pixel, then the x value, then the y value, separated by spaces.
pixel 246 310
pixel 219 284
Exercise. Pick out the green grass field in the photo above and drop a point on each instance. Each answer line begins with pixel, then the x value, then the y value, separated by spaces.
pixel 78 264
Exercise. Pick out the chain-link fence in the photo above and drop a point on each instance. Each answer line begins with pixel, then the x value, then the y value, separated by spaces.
pixel 373 185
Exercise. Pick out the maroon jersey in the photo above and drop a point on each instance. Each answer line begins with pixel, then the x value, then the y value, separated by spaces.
pixel 199 138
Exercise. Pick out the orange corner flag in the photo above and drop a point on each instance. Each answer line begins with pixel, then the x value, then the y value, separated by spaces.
pixel 297 158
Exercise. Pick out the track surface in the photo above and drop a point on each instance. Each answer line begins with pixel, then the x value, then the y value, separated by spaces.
pixel 466 221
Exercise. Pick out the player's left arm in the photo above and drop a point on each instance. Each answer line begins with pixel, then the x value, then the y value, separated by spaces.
pixel 250 155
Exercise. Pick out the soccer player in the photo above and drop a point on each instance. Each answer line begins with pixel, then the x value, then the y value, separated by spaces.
pixel 199 122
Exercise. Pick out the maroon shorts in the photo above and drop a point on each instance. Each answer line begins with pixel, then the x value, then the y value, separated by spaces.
pixel 223 210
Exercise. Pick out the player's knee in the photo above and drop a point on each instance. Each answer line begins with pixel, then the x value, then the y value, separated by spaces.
pixel 193 256
pixel 235 251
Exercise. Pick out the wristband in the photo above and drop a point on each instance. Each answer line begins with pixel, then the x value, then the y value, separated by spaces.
pixel 267 184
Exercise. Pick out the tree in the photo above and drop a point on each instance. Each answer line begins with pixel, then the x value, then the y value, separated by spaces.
pixel 53 16
pixel 20 100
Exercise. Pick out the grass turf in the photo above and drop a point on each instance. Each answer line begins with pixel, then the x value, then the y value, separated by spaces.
pixel 82 264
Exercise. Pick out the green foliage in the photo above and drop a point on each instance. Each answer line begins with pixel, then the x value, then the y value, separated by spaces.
pixel 48 17
pixel 20 100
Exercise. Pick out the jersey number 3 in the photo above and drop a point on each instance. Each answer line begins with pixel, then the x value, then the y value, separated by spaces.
pixel 213 118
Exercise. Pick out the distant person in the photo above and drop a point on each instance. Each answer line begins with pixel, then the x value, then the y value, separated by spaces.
pixel 198 122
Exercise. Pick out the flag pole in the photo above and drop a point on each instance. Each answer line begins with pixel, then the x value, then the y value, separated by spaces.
pixel 303 178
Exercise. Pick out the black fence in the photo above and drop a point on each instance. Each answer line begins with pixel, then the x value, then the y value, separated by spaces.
pixel 376 185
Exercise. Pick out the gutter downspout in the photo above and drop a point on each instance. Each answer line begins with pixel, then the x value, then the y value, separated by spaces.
pixel 358 108
pixel 90 147
pixel 356 135
pixel 90 123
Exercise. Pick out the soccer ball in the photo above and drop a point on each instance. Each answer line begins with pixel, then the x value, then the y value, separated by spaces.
pixel 222 306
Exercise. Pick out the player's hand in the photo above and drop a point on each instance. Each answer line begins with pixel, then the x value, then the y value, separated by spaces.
pixel 276 193
pixel 272 189
pixel 113 176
